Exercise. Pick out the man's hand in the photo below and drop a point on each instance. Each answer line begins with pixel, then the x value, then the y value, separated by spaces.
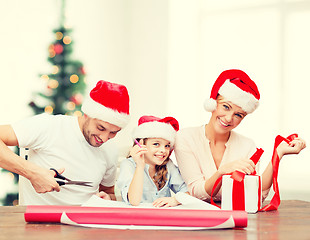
pixel 103 191
pixel 43 180
pixel 104 195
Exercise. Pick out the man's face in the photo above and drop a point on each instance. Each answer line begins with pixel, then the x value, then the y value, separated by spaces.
pixel 97 132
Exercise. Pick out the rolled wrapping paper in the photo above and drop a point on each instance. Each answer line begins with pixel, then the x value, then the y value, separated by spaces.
pixel 136 216
pixel 168 217
pixel 65 220
pixel 159 217
pixel 52 213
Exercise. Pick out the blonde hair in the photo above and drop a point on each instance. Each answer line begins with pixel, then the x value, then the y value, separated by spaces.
pixel 220 98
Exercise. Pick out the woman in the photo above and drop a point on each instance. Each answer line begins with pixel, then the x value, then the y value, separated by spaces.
pixel 205 153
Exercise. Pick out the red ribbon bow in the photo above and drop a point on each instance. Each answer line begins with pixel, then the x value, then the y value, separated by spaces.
pixel 238 185
pixel 275 201
pixel 239 176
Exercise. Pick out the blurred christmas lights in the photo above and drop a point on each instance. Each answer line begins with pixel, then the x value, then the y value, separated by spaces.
pixel 67 40
pixel 55 69
pixel 58 35
pixel 74 78
pixel 52 83
pixel 71 106
pixel 48 109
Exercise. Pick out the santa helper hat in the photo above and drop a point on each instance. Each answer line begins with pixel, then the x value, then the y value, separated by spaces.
pixel 108 102
pixel 154 127
pixel 237 87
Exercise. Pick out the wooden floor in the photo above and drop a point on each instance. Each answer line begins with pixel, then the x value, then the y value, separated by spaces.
pixel 291 221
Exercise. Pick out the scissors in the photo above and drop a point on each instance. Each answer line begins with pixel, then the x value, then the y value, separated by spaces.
pixel 68 181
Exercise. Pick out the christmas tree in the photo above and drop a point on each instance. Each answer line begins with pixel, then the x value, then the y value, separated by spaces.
pixel 65 85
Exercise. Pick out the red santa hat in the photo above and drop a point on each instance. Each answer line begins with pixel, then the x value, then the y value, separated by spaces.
pixel 237 87
pixel 108 102
pixel 154 127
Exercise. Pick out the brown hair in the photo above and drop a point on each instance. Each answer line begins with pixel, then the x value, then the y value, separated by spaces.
pixel 160 177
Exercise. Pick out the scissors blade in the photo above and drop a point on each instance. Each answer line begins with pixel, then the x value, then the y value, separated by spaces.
pixel 87 184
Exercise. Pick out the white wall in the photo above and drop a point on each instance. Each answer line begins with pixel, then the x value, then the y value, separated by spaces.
pixel 168 54
pixel 268 40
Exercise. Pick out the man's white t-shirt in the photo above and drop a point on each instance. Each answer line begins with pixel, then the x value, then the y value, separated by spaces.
pixel 57 142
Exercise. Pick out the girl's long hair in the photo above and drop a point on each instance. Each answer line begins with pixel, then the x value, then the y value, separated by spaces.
pixel 160 177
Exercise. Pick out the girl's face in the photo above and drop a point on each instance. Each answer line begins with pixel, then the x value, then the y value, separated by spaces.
pixel 158 151
pixel 227 116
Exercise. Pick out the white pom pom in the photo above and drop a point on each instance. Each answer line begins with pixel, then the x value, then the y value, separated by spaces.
pixel 210 104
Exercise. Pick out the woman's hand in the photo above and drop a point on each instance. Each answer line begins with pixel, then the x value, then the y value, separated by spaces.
pixel 246 166
pixel 294 147
pixel 138 152
pixel 166 202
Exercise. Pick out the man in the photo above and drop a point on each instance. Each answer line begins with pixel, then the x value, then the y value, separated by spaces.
pixel 75 146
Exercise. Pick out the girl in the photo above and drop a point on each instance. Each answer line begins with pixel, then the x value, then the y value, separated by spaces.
pixel 148 175
pixel 207 152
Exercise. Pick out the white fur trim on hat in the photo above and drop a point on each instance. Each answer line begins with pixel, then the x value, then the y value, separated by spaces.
pixel 210 104
pixel 99 111
pixel 155 129
pixel 239 97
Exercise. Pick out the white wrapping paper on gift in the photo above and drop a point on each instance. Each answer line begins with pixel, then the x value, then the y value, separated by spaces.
pixel 252 193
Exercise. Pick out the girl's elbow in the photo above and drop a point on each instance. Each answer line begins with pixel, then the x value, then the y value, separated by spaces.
pixel 134 202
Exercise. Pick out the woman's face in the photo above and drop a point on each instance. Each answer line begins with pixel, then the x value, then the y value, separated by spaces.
pixel 227 116
pixel 158 151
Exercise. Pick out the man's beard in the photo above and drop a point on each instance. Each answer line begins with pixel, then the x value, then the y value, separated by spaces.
pixel 86 132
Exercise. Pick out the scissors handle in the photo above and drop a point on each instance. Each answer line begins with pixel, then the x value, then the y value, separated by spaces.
pixel 58 175
pixel 61 183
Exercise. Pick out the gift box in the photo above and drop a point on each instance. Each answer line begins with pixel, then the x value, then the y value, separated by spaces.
pixel 244 192
pixel 242 195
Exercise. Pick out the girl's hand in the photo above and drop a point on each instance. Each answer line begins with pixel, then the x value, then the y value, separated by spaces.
pixel 166 202
pixel 294 147
pixel 246 166
pixel 104 195
pixel 138 152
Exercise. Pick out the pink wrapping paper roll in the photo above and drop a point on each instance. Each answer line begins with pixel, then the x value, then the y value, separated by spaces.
pixel 136 216
pixel 52 213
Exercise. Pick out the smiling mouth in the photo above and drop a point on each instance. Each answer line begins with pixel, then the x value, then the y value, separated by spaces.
pixel 98 140
pixel 223 124
pixel 160 156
